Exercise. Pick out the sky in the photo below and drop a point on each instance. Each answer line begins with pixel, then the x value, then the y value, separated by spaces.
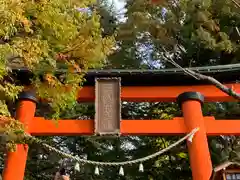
pixel 118 3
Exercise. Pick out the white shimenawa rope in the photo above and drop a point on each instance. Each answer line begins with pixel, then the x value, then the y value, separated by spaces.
pixel 98 163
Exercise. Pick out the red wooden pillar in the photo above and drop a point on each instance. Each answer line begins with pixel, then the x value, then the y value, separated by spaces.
pixel 200 159
pixel 15 163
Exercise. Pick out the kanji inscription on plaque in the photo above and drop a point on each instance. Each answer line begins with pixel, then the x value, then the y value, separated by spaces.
pixel 107 105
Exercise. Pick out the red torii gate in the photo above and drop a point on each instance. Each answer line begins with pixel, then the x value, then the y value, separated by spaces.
pixel 189 97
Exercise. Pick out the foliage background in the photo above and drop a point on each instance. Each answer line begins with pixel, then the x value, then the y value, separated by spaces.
pixel 193 33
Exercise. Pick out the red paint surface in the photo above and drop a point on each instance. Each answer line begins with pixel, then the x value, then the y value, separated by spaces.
pixel 15 163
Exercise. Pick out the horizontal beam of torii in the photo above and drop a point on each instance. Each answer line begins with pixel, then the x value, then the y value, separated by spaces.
pixel 176 126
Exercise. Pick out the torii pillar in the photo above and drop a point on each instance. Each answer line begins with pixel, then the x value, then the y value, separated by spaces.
pixel 200 159
pixel 15 163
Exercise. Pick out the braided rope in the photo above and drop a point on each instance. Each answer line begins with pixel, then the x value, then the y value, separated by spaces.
pixel 98 163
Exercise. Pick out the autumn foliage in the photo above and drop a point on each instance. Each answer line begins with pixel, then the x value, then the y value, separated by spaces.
pixel 47 36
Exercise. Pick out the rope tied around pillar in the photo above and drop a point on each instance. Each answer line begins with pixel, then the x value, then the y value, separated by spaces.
pixel 98 164
pixel 30 139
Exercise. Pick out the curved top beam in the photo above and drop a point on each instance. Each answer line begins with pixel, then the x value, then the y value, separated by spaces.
pixel 162 77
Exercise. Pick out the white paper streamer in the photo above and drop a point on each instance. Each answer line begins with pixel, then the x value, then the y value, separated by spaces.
pixel 121 171
pixel 141 168
pixel 96 170
pixel 77 167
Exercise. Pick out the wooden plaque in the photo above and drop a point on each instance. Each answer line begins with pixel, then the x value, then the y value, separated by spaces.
pixel 107 106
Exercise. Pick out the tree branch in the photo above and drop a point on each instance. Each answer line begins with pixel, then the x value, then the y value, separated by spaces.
pixel 199 76
pixel 236 3
pixel 215 82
